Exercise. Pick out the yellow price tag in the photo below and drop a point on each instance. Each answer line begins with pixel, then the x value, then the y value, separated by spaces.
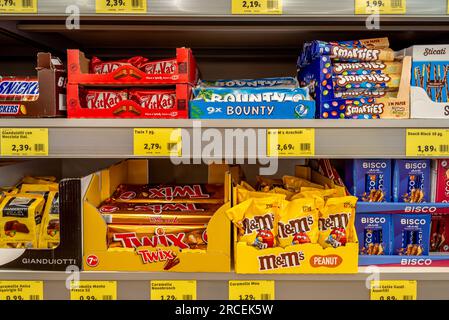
pixel 21 290
pixel 251 290
pixel 121 6
pixel 18 6
pixel 427 142
pixel 256 7
pixel 26 142
pixel 93 290
pixel 164 142
pixel 173 290
pixel 393 290
pixel 381 6
pixel 290 142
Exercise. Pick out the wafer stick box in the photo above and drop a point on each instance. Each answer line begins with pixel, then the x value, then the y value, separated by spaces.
pixel 166 241
pixel 429 82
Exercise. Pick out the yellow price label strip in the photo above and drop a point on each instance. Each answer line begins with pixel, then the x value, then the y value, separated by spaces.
pixel 121 6
pixel 256 7
pixel 18 6
pixel 381 6
pixel 165 142
pixel 290 142
pixel 93 290
pixel 393 290
pixel 17 142
pixel 251 290
pixel 21 290
pixel 173 290
pixel 427 142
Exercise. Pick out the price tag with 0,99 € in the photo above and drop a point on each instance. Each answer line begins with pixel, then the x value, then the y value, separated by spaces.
pixel 21 290
pixel 393 290
pixel 26 142
pixel 290 142
pixel 427 143
pixel 251 290
pixel 18 6
pixel 93 290
pixel 121 6
pixel 380 6
pixel 163 142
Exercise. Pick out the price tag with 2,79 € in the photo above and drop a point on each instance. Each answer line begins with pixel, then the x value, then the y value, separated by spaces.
pixel 24 142
pixel 290 142
pixel 381 6
pixel 427 143
pixel 393 290
pixel 18 6
pixel 173 290
pixel 121 6
pixel 93 290
pixel 162 142
pixel 21 290
pixel 251 290
pixel 256 7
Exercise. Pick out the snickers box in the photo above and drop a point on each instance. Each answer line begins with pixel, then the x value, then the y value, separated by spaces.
pixel 41 96
pixel 374 233
pixel 411 181
pixel 411 234
pixel 369 180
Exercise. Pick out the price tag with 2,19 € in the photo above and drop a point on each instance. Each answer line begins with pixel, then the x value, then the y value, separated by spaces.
pixel 256 7
pixel 21 290
pixel 17 142
pixel 251 290
pixel 290 142
pixel 173 290
pixel 427 143
pixel 163 142
pixel 121 6
pixel 380 6
pixel 393 290
pixel 93 290
pixel 18 6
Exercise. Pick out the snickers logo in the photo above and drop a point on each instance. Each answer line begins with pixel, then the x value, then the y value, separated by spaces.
pixel 18 87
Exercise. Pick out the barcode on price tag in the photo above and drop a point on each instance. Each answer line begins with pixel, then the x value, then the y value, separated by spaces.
pixel 18 6
pixel 173 290
pixel 24 142
pixel 380 6
pixel 21 290
pixel 256 7
pixel 93 290
pixel 121 6
pixel 251 290
pixel 393 290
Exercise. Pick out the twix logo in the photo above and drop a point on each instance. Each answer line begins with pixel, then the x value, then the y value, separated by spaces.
pixel 169 193
pixel 294 226
pixel 360 78
pixel 355 53
pixel 155 256
pixel 338 220
pixel 265 222
pixel 160 238
pixel 159 208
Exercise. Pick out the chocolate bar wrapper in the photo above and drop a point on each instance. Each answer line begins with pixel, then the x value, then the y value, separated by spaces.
pixel 282 82
pixel 366 93
pixel 169 66
pixel 50 229
pixel 190 193
pixel 442 181
pixel 111 206
pixel 181 236
pixel 439 235
pixel 353 68
pixel 103 67
pixel 19 88
pixel 157 219
pixel 366 81
pixel 102 99
pixel 154 99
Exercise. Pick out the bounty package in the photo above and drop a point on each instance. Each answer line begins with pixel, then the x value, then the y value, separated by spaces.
pixel 411 181
pixel 374 231
pixel 411 234
pixel 265 98
pixel 369 180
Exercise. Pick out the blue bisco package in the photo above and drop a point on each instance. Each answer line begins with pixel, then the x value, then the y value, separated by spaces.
pixel 251 103
pixel 411 234
pixel 374 233
pixel 369 180
pixel 411 181
pixel 282 82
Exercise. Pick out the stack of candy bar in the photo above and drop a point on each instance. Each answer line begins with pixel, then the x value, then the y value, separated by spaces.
pixel 348 76
pixel 29 214
pixel 160 216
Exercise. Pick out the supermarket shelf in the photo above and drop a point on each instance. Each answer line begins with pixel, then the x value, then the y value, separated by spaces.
pixel 103 138
pixel 432 283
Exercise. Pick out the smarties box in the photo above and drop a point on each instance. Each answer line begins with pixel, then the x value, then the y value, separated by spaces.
pixel 411 181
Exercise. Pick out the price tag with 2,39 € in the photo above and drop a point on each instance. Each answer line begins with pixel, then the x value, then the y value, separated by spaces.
pixel 17 142
pixel 290 142
pixel 251 290
pixel 393 290
pixel 21 290
pixel 173 290
pixel 256 7
pixel 18 6
pixel 93 290
pixel 381 6
pixel 163 142
pixel 121 6
pixel 427 143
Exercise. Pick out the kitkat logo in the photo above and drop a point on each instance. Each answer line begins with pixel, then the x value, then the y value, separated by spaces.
pixel 329 261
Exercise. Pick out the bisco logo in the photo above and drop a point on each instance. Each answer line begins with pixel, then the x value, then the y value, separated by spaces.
pixel 282 260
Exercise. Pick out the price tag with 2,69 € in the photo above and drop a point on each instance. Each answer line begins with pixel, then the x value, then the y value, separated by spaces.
pixel 290 142
pixel 18 142
pixel 256 7
pixel 93 290
pixel 427 143
pixel 380 6
pixel 173 290
pixel 393 290
pixel 251 290
pixel 121 6
pixel 163 142
pixel 21 290
pixel 18 6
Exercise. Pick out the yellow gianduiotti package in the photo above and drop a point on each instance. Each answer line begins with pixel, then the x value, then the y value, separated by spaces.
pixel 38 188
pixel 256 220
pixel 295 184
pixel 336 222
pixel 298 222
pixel 50 229
pixel 244 194
pixel 20 219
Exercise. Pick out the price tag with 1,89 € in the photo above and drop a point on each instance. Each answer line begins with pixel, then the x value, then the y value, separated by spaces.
pixel 427 143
